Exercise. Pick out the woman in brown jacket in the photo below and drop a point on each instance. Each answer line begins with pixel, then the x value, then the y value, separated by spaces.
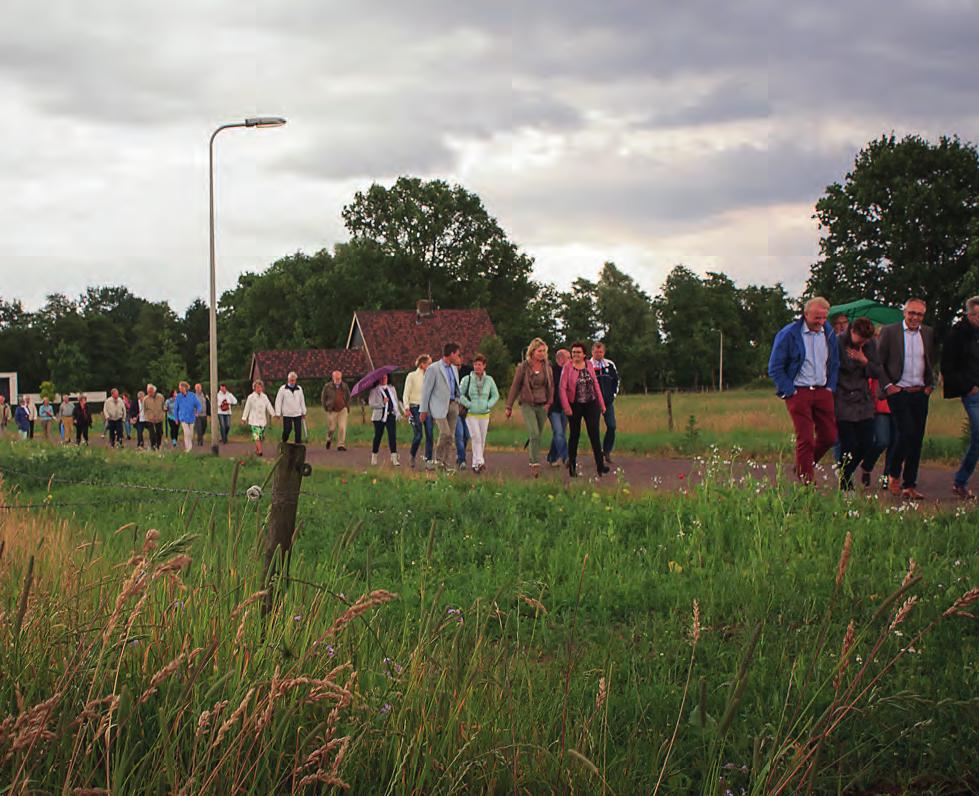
pixel 533 383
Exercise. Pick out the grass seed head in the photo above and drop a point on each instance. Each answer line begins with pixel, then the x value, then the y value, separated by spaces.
pixel 844 559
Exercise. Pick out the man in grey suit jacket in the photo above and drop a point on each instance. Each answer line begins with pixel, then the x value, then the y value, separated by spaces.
pixel 440 399
pixel 907 355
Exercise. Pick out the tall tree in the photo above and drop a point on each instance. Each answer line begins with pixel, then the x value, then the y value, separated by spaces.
pixel 578 311
pixel 631 331
pixel 904 222
pixel 447 247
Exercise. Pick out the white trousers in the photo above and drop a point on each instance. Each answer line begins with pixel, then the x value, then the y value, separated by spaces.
pixel 478 426
pixel 188 436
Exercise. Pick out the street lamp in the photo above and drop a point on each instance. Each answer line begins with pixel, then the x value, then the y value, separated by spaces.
pixel 258 122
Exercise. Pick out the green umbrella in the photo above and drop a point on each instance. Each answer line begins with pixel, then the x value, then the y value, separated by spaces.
pixel 879 313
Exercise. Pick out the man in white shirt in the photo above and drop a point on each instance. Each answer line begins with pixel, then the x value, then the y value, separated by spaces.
pixel 290 404
pixel 907 356
pixel 225 401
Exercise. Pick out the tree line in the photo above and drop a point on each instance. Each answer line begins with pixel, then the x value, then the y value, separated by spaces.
pixel 904 221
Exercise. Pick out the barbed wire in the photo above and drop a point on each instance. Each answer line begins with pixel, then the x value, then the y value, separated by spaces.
pixel 52 504
pixel 57 479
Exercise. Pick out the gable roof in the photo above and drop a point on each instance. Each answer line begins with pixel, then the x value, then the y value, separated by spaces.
pixel 397 337
pixel 309 363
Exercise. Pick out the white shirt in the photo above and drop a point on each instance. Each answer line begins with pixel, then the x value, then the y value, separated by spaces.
pixel 813 370
pixel 913 373
pixel 232 401
pixel 142 415
pixel 290 403
pixel 257 409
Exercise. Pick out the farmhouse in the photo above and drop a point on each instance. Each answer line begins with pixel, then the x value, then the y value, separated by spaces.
pixel 381 337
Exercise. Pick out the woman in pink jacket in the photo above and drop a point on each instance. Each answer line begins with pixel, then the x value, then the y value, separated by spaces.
pixel 581 397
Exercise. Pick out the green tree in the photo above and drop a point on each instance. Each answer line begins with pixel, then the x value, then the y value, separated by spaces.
pixel 68 366
pixel 578 311
pixel 442 243
pixel 627 315
pixel 904 222
pixel 499 362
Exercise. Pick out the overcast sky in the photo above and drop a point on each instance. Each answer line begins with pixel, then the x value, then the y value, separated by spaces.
pixel 648 133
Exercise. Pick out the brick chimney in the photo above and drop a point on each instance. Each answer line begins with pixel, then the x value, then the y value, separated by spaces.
pixel 424 308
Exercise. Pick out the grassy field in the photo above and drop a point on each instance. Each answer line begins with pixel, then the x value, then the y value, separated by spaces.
pixel 755 421
pixel 436 637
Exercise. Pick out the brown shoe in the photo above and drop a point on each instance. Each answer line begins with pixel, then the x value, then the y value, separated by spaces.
pixel 910 493
pixel 962 492
pixel 894 486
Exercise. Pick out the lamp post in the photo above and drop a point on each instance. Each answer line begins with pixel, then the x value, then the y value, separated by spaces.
pixel 258 122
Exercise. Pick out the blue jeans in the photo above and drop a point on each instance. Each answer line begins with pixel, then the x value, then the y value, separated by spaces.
pixel 418 428
pixel 609 442
pixel 559 437
pixel 884 437
pixel 224 426
pixel 462 439
pixel 968 467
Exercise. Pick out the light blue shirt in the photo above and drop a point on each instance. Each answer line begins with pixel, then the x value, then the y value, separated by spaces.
pixel 450 377
pixel 813 370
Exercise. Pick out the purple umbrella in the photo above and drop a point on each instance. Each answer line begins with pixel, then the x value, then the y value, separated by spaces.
pixel 372 378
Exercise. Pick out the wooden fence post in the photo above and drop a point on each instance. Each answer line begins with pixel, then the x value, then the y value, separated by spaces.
pixel 286 480
pixel 669 409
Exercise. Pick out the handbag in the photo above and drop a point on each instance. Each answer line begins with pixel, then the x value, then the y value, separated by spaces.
pixel 464 410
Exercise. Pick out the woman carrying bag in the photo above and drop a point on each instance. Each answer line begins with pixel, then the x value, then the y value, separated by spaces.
pixel 383 400
pixel 533 383
pixel 581 398
pixel 478 395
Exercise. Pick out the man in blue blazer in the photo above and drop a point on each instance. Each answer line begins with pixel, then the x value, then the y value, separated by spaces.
pixel 440 399
pixel 804 365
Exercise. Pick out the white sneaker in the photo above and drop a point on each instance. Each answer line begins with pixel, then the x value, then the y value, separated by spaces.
pixel 395 461
pixel 373 458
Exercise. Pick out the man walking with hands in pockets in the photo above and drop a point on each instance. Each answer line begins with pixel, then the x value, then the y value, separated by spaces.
pixel 440 399
pixel 804 365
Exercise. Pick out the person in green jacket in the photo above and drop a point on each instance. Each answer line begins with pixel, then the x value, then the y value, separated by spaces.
pixel 478 393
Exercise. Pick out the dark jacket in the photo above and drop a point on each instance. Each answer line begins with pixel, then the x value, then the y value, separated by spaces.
pixel 854 401
pixel 83 416
pixel 331 393
pixel 21 418
pixel 789 352
pixel 890 349
pixel 608 379
pixel 960 360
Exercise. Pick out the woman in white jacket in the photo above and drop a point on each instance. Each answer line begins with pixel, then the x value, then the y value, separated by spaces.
pixel 383 400
pixel 258 409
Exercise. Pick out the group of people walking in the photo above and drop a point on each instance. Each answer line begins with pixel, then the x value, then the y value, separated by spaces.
pixel 865 392
pixel 449 406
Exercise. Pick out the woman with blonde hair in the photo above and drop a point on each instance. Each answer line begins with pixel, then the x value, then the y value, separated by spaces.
pixel 258 409
pixel 411 399
pixel 533 383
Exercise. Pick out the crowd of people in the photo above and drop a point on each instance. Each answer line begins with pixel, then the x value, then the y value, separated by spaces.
pixel 447 403
pixel 859 390
pixel 863 391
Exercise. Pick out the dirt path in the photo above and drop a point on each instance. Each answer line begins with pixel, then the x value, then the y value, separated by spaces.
pixel 641 473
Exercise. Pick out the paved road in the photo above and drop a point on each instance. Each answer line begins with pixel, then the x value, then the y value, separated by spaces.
pixel 641 473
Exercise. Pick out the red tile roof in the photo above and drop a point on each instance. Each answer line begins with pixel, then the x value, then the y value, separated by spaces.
pixel 397 337
pixel 310 363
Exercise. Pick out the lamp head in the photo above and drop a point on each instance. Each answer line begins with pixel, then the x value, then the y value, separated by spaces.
pixel 265 121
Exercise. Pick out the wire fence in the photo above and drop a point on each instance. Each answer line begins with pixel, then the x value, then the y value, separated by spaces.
pixel 253 493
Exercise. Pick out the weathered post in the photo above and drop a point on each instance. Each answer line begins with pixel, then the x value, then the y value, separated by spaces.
pixel 669 410
pixel 288 476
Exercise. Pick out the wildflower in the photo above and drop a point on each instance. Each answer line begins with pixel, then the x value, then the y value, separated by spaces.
pixel 297 618
pixel 385 709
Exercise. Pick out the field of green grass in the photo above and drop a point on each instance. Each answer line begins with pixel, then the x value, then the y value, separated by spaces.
pixel 491 636
pixel 753 421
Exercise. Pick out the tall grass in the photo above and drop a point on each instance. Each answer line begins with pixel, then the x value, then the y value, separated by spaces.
pixel 143 662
